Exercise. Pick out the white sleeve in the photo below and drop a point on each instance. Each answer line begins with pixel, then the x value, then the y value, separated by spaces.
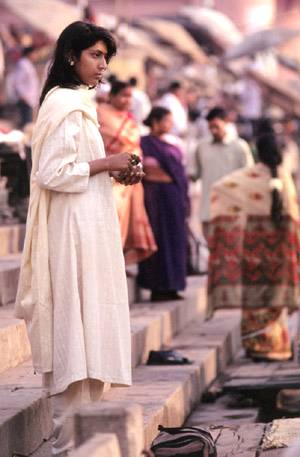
pixel 59 170
pixel 246 156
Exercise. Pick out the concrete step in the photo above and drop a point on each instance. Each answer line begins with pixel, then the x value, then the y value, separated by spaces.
pixel 11 239
pixel 101 445
pixel 153 325
pixel 14 343
pixel 9 275
pixel 168 394
pixel 25 413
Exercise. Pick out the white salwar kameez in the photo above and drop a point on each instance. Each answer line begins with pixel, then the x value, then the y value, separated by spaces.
pixel 86 262
pixel 91 330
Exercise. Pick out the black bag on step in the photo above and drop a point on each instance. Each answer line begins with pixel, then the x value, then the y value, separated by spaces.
pixel 183 442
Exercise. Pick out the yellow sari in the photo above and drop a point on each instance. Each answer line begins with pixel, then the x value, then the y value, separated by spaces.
pixel 121 134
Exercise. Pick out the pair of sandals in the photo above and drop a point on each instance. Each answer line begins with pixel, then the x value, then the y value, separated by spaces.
pixel 169 357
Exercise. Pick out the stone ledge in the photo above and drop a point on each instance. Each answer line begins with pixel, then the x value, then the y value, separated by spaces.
pixel 14 343
pixel 10 270
pixel 9 277
pixel 125 419
pixel 155 324
pixel 152 326
pixel 11 239
pixel 168 393
pixel 101 445
pixel 9 274
pixel 25 420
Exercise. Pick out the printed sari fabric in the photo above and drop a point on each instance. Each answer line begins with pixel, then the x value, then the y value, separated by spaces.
pixel 254 264
pixel 121 134
pixel 166 204
pixel 265 333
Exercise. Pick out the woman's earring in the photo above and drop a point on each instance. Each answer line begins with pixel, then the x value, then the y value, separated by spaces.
pixel 71 62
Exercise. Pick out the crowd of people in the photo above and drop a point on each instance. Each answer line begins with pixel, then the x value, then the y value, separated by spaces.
pixel 112 173
pixel 179 143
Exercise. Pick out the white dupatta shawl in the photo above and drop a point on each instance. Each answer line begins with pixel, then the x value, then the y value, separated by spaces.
pixel 34 300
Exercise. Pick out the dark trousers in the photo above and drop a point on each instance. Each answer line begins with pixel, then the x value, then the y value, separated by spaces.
pixel 25 112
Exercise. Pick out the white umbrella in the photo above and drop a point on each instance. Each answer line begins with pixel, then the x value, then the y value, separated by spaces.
pixel 215 23
pixel 288 62
pixel 260 41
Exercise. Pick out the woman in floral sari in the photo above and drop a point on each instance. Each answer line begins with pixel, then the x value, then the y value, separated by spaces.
pixel 120 133
pixel 254 251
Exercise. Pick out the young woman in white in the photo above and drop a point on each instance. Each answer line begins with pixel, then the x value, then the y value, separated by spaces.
pixel 72 291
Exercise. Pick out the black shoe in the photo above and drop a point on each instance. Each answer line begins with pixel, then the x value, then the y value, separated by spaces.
pixel 175 296
pixel 159 296
pixel 167 295
pixel 167 358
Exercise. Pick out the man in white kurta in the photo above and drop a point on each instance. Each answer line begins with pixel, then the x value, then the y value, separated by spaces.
pixel 75 216
pixel 216 156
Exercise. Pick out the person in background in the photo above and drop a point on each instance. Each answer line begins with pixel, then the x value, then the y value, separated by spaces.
pixel 166 202
pixel 217 156
pixel 121 134
pixel 254 251
pixel 26 85
pixel 141 105
pixel 251 104
pixel 174 101
pixel 291 153
pixel 103 90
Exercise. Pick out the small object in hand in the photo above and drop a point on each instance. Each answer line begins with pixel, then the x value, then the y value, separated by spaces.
pixel 135 160
pixel 122 175
pixel 169 357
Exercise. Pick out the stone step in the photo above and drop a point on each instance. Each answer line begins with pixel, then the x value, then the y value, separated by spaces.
pixel 11 239
pixel 101 445
pixel 153 325
pixel 9 275
pixel 167 394
pixel 14 343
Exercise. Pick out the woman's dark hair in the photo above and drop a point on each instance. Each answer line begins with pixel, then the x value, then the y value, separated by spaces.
pixel 117 86
pixel 175 85
pixel 70 44
pixel 269 153
pixel 156 114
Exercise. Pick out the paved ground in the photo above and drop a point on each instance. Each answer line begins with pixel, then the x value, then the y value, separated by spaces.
pixel 249 423
pixel 43 451
pixel 241 424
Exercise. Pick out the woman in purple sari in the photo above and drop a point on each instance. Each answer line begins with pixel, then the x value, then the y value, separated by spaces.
pixel 166 202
